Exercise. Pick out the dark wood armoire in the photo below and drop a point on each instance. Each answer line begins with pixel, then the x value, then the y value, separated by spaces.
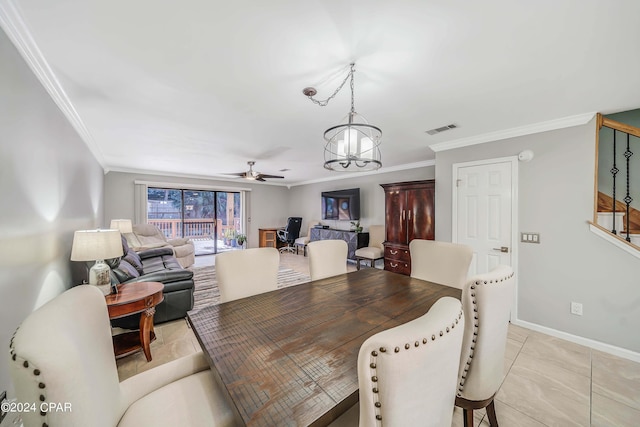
pixel 409 214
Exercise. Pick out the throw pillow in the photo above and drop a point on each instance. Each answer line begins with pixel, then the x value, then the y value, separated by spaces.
pixel 126 271
pixel 132 258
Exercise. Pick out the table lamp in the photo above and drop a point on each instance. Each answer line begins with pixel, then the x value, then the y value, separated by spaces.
pixel 97 245
pixel 124 225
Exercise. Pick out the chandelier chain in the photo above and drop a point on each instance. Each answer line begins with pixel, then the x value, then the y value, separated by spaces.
pixel 324 103
pixel 352 93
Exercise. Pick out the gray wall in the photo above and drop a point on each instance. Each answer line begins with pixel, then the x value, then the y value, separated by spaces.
pixel 50 186
pixel 570 263
pixel 305 200
pixel 631 117
pixel 267 205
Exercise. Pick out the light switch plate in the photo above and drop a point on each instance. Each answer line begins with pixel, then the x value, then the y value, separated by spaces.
pixel 529 237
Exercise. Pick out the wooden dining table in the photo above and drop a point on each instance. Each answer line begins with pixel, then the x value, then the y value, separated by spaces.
pixel 289 357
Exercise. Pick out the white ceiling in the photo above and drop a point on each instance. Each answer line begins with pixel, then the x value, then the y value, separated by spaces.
pixel 200 87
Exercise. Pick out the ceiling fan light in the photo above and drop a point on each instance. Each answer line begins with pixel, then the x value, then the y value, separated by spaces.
pixel 253 175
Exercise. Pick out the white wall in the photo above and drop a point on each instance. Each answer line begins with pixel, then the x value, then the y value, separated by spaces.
pixel 50 186
pixel 570 263
pixel 304 200
pixel 268 205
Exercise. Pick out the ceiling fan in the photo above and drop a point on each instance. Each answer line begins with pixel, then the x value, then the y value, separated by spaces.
pixel 253 175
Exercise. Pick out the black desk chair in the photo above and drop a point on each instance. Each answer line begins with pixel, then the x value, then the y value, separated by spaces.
pixel 290 233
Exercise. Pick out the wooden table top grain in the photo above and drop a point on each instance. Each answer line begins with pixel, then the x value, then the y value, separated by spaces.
pixel 134 298
pixel 289 357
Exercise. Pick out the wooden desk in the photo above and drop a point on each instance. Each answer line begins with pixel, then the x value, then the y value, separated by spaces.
pixel 132 298
pixel 289 357
pixel 268 238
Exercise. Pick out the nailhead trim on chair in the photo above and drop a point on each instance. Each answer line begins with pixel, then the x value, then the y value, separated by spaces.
pixel 472 288
pixel 374 363
pixel 36 372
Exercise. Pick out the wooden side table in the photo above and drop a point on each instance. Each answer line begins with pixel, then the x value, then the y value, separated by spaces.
pixel 132 298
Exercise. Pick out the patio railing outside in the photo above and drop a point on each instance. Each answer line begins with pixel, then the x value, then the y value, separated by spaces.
pixel 193 228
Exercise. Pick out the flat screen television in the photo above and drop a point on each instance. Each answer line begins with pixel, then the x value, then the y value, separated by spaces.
pixel 341 205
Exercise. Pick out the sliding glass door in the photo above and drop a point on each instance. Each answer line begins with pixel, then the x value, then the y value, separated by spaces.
pixel 228 220
pixel 212 219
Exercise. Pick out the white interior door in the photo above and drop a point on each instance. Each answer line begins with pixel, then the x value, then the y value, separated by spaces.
pixel 484 212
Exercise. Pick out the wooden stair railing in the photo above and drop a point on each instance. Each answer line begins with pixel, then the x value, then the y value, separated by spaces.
pixel 621 163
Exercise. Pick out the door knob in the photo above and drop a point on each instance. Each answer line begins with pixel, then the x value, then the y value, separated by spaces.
pixel 504 249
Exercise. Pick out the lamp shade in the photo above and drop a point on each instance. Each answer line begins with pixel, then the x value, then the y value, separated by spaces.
pixel 124 225
pixel 92 245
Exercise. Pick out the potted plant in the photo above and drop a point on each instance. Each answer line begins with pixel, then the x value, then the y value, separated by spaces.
pixel 241 239
pixel 356 226
pixel 229 236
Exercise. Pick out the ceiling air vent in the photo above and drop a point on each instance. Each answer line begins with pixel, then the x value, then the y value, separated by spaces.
pixel 441 129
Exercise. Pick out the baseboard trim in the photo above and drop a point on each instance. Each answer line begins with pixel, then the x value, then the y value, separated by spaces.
pixel 596 345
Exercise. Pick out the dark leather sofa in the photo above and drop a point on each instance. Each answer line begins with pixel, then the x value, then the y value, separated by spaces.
pixel 155 265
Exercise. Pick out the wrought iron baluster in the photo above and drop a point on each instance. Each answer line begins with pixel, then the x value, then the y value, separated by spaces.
pixel 628 199
pixel 614 171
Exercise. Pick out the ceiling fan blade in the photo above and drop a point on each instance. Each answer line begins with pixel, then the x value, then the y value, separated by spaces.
pixel 264 175
pixel 240 174
pixel 259 178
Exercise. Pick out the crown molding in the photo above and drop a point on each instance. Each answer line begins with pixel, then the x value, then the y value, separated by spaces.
pixel 347 175
pixel 180 186
pixel 561 123
pixel 212 177
pixel 13 24
pixel 340 176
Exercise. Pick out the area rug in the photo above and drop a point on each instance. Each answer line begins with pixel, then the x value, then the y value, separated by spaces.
pixel 206 286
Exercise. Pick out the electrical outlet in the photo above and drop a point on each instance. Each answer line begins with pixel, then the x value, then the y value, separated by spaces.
pixel 576 308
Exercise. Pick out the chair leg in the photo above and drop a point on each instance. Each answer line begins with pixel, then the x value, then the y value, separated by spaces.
pixel 357 263
pixel 491 413
pixel 468 417
pixel 287 248
pixel 468 406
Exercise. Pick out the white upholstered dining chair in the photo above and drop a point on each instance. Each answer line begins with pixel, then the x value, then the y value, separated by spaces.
pixel 440 262
pixel 62 353
pixel 407 374
pixel 247 272
pixel 486 300
pixel 304 240
pixel 327 258
pixel 374 250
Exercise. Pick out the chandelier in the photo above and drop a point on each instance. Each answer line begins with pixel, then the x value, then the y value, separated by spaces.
pixel 354 144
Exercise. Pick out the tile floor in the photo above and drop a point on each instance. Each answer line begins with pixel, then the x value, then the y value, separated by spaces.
pixel 548 381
